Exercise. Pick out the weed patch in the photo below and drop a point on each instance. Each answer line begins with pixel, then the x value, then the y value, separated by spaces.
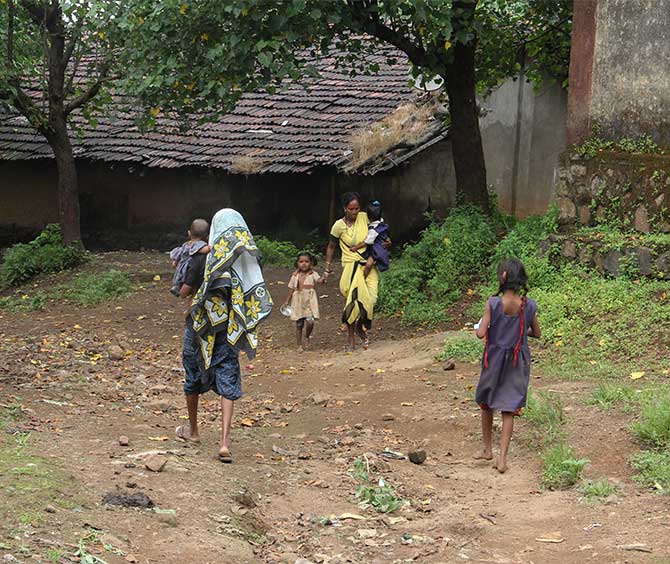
pixel 597 491
pixel 91 289
pixel 381 497
pixel 606 395
pixel 653 427
pixel 544 412
pixel 560 467
pixel 463 349
pixel 653 469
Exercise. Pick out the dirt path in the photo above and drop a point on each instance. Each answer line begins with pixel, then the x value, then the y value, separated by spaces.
pixel 304 420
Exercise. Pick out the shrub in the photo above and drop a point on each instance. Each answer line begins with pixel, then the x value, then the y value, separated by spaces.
pixel 381 497
pixel 276 253
pixel 91 289
pixel 44 254
pixel 463 349
pixel 653 426
pixel 560 467
pixel 433 272
pixel 653 469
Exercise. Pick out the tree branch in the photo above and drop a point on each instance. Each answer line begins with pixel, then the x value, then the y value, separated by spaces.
pixel 85 97
pixel 37 11
pixel 76 34
pixel 417 55
pixel 10 33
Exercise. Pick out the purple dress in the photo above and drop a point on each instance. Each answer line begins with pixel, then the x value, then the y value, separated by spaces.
pixel 503 383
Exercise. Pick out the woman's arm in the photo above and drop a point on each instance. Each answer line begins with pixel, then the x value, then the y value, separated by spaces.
pixel 484 323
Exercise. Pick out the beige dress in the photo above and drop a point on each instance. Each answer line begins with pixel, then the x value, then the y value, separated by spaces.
pixel 304 301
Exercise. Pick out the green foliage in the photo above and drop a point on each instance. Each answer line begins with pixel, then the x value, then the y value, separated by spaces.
pixel 381 497
pixel 91 289
pixel 595 144
pixel 463 349
pixel 653 427
pixel 202 56
pixel 544 412
pixel 560 467
pixel 597 491
pixel 44 254
pixel 607 395
pixel 653 469
pixel 276 253
pixel 432 273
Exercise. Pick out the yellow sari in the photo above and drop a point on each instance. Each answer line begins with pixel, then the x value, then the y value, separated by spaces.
pixel 360 292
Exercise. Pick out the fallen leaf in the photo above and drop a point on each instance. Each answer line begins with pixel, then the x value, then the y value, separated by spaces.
pixel 636 375
pixel 248 422
pixel 157 278
pixel 352 516
pixel 407 404
pixel 162 439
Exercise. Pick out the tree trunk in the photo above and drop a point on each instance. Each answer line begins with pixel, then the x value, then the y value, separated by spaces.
pixel 68 189
pixel 466 138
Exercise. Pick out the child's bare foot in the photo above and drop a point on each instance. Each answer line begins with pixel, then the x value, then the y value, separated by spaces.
pixel 501 465
pixel 483 455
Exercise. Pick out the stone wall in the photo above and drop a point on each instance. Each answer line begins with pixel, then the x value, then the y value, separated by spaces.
pixel 630 191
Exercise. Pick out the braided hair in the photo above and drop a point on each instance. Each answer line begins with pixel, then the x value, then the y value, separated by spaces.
pixel 516 279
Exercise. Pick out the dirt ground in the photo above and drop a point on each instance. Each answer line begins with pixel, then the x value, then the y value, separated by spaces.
pixel 304 420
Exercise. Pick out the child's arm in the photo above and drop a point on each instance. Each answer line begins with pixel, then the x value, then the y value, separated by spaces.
pixel 534 330
pixel 485 322
pixel 358 247
pixel 204 250
pixel 292 284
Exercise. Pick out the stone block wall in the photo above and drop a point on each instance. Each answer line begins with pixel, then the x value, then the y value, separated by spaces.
pixel 630 191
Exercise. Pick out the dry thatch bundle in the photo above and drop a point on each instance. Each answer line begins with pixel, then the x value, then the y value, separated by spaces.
pixel 247 164
pixel 406 125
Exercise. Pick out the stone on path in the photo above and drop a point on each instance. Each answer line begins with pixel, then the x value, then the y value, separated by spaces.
pixel 417 456
pixel 124 440
pixel 156 463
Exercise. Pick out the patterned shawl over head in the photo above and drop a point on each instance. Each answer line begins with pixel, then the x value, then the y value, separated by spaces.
pixel 233 296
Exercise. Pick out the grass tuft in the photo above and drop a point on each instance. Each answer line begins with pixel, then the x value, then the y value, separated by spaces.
pixel 597 491
pixel 560 467
pixel 606 395
pixel 544 412
pixel 653 427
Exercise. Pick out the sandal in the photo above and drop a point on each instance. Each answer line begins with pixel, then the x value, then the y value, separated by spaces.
pixel 183 433
pixel 225 456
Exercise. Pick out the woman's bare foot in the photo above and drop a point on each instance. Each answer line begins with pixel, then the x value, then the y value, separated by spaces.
pixel 484 455
pixel 225 456
pixel 501 465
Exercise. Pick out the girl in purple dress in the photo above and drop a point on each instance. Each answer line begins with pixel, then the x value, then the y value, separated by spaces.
pixel 509 319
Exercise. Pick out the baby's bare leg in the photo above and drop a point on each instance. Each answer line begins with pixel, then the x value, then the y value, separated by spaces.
pixel 368 266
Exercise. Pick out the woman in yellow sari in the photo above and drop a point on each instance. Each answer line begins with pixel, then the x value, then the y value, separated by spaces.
pixel 360 291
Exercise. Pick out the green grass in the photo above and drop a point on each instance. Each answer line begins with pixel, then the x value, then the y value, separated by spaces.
pixel 560 468
pixel 28 482
pixel 24 302
pixel 653 426
pixel 462 349
pixel 544 413
pixel 597 491
pixel 607 395
pixel 276 253
pixel 653 469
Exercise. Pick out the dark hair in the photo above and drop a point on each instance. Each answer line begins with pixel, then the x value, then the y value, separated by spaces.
pixel 516 279
pixel 199 228
pixel 349 197
pixel 374 210
pixel 310 256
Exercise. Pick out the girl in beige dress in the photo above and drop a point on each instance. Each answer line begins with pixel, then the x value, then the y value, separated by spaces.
pixel 303 299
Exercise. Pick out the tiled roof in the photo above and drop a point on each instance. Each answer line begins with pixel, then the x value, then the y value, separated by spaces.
pixel 291 131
